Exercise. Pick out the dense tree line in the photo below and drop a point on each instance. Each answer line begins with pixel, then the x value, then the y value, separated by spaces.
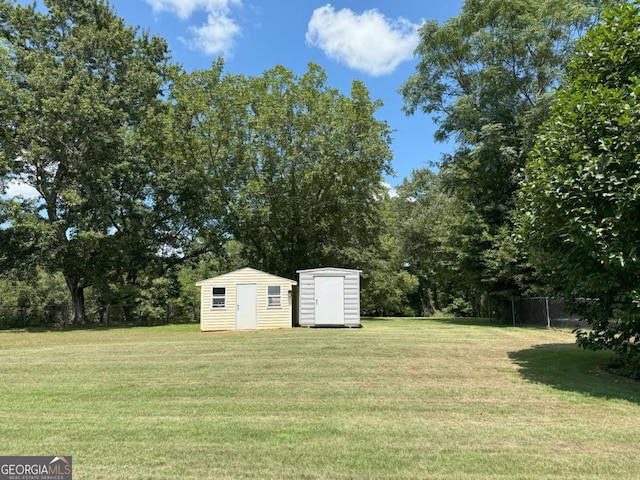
pixel 149 178
pixel 580 200
pixel 145 173
pixel 488 77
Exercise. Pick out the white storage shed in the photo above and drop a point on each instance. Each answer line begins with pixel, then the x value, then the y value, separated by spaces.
pixel 246 299
pixel 329 297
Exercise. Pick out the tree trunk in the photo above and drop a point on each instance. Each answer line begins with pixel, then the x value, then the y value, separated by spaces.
pixel 107 314
pixel 77 300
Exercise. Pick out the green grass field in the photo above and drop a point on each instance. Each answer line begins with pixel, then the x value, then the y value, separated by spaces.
pixel 415 399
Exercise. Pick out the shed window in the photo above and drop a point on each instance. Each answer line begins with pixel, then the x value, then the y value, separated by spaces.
pixel 274 296
pixel 218 297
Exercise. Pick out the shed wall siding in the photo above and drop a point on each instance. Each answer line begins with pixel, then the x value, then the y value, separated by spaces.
pixel 307 300
pixel 352 300
pixel 225 319
pixel 274 317
pixel 217 318
pixel 351 295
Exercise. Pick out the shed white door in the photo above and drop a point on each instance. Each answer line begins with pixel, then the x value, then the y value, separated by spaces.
pixel 329 300
pixel 246 307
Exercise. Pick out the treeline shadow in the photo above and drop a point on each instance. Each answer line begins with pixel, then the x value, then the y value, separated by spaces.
pixel 468 321
pixel 95 326
pixel 569 368
pixel 463 321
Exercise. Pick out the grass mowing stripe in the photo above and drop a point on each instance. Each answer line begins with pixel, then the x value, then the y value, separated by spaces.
pixel 409 398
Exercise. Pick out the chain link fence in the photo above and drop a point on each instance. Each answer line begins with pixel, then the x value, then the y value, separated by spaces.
pixel 24 316
pixel 544 312
pixel 104 315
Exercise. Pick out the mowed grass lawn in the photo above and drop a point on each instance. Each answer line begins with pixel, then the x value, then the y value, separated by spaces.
pixel 416 399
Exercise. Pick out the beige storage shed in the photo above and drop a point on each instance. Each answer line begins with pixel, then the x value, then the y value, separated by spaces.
pixel 247 299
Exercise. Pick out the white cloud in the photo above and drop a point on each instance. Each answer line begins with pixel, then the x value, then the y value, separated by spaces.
pixel 214 37
pixel 391 191
pixel 17 188
pixel 368 42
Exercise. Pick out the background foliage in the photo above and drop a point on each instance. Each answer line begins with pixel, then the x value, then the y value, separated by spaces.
pixel 149 178
pixel 581 198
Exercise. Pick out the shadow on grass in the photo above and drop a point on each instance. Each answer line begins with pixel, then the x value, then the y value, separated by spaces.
pixel 468 321
pixel 569 368
pixel 464 321
pixel 378 319
pixel 92 326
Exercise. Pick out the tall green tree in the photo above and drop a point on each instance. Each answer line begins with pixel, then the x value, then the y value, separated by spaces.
pixel 580 199
pixel 84 131
pixel 299 166
pixel 386 286
pixel 486 77
pixel 430 225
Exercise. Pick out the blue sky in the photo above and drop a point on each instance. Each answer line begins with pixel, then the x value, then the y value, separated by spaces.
pixel 369 40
